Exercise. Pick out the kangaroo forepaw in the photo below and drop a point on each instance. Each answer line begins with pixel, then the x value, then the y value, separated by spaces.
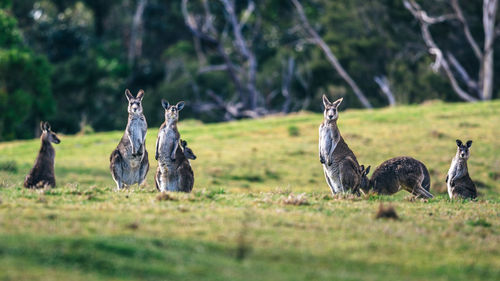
pixel 321 159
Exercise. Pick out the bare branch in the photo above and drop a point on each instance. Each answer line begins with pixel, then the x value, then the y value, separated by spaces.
pixel 193 26
pixel 241 44
pixel 330 56
pixel 135 46
pixel 385 87
pixel 486 73
pixel 462 73
pixel 285 85
pixel 468 35
pixel 440 61
pixel 247 13
pixel 211 68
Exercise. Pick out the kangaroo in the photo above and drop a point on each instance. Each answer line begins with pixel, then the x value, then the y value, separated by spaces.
pixel 129 162
pixel 185 179
pixel 167 144
pixel 340 166
pixel 365 182
pixel 42 174
pixel 458 180
pixel 402 173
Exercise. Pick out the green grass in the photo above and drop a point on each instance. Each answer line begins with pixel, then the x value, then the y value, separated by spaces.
pixel 240 222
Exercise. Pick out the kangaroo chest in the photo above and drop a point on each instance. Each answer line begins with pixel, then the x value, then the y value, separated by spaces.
pixel 167 139
pixel 456 168
pixel 329 138
pixel 136 131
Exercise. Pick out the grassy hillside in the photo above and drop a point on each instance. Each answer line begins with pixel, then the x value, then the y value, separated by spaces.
pixel 260 209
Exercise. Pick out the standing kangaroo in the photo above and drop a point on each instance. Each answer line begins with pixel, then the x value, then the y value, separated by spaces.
pixel 42 174
pixel 129 162
pixel 184 176
pixel 402 173
pixel 341 168
pixel 167 144
pixel 458 180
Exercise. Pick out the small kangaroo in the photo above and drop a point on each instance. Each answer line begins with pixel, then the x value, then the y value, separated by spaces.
pixel 129 162
pixel 167 144
pixel 458 180
pixel 42 174
pixel 341 168
pixel 402 173
pixel 365 182
pixel 185 178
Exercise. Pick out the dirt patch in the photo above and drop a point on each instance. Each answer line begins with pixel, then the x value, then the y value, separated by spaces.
pixel 386 212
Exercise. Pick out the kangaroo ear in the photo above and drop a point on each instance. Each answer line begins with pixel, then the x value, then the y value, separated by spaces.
pixel 326 102
pixel 165 104
pixel 459 143
pixel 469 143
pixel 362 168
pixel 367 170
pixel 140 94
pixel 42 125
pixel 46 126
pixel 337 102
pixel 180 105
pixel 128 95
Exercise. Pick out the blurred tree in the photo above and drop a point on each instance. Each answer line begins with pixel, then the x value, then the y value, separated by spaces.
pixel 25 87
pixel 96 49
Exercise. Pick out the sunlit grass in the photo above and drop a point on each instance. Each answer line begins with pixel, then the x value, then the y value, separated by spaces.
pixel 242 221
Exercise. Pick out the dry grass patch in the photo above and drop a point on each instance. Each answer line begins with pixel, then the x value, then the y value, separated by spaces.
pixel 296 200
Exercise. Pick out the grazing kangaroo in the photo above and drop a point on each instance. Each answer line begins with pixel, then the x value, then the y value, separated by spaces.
pixel 402 173
pixel 458 180
pixel 183 170
pixel 129 162
pixel 167 144
pixel 42 174
pixel 341 168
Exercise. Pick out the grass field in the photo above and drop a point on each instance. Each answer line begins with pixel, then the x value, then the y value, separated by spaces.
pixel 260 208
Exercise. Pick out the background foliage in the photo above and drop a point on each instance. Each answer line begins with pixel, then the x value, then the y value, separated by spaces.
pixel 68 61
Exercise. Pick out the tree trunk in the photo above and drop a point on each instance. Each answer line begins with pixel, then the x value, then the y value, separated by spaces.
pixel 489 13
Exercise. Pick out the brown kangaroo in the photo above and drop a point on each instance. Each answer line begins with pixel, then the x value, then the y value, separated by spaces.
pixel 42 174
pixel 182 168
pixel 402 173
pixel 341 168
pixel 167 145
pixel 129 163
pixel 458 181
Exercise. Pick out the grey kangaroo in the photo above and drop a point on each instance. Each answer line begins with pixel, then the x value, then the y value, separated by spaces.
pixel 182 172
pixel 42 174
pixel 458 181
pixel 167 144
pixel 402 173
pixel 341 168
pixel 129 162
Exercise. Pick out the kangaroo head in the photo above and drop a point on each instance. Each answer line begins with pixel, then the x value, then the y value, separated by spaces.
pixel 463 151
pixel 47 134
pixel 331 112
pixel 172 111
pixel 134 104
pixel 365 182
pixel 188 153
